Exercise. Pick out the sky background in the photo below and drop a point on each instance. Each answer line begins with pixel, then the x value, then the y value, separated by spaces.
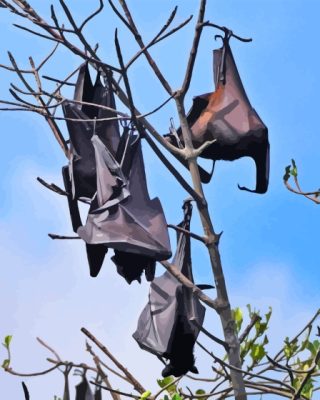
pixel 270 244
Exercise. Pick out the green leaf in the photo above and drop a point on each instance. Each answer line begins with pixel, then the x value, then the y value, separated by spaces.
pixel 5 364
pixel 7 341
pixel 245 348
pixel 165 382
pixel 176 396
pixel 201 391
pixel 296 383
pixel 294 170
pixel 257 352
pixel 145 395
pixel 316 344
pixel 260 327
pixel 308 389
pixel 238 317
pixel 268 315
pixel 290 348
pixel 305 342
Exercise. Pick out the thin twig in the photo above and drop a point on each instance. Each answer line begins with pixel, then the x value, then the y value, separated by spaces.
pixel 140 42
pixel 226 30
pixel 156 40
pixel 247 330
pixel 54 127
pixel 91 16
pixel 308 375
pixel 72 365
pixel 89 349
pixel 53 236
pixel 46 371
pixel 194 49
pixel 309 195
pixel 215 304
pixel 105 378
pixel 54 39
pixel 172 169
pixel 116 391
pixel 173 383
pixel 52 186
pixel 50 349
pixel 223 363
pixel 210 336
pixel 185 231
pixel 317 314
pixel 137 386
pixel 28 71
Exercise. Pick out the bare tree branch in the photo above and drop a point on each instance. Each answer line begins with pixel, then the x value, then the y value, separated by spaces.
pixel 132 396
pixel 91 16
pixel 186 232
pixel 194 49
pixel 137 386
pixel 140 42
pixel 215 304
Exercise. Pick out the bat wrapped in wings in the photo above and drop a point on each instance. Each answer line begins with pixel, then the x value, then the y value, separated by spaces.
pixel 84 392
pixel 108 170
pixel 165 326
pixel 227 116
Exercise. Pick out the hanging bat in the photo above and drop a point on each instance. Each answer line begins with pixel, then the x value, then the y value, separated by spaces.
pixel 82 163
pixel 83 390
pixel 121 214
pixel 227 116
pixel 165 326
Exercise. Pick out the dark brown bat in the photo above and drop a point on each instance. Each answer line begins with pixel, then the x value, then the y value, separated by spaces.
pixel 122 216
pixel 227 116
pixel 109 171
pixel 165 325
pixel 82 162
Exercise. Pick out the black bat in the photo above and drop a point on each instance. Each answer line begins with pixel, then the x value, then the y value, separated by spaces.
pixel 227 116
pixel 83 390
pixel 82 162
pixel 165 326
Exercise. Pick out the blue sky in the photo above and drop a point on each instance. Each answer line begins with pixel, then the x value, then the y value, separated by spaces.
pixel 269 247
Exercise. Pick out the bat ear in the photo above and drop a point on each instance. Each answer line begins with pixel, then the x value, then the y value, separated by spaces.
pixel 95 255
pixel 194 369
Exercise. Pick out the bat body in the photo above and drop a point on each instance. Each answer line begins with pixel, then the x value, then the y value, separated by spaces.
pixel 83 390
pixel 165 326
pixel 227 117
